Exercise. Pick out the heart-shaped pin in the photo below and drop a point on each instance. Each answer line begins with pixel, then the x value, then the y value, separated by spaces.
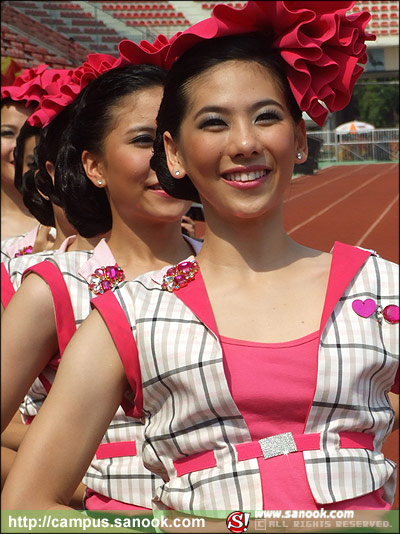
pixel 364 308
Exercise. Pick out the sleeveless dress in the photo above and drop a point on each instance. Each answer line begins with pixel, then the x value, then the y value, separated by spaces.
pixel 168 344
pixel 116 478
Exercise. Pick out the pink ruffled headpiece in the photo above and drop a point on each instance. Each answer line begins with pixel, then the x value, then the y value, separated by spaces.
pixel 130 53
pixel 35 84
pixel 321 45
pixel 69 88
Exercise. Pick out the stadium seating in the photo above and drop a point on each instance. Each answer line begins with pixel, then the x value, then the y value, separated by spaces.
pixel 58 24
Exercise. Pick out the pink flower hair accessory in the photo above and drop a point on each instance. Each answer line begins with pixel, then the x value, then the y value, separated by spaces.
pixel 34 84
pixel 321 45
pixel 68 88
pixel 130 53
pixel 155 53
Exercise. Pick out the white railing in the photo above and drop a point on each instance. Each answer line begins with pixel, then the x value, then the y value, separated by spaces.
pixel 376 145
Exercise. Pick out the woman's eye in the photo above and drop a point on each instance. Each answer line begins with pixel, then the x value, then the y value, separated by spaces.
pixel 7 133
pixel 211 122
pixel 268 116
pixel 143 140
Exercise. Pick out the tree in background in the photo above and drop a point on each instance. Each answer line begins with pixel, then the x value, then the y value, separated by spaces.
pixel 377 102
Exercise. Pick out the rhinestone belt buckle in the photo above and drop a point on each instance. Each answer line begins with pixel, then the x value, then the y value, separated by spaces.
pixel 277 445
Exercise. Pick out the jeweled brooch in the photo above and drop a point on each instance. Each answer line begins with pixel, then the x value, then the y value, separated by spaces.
pixel 179 275
pixel 366 308
pixel 23 251
pixel 106 278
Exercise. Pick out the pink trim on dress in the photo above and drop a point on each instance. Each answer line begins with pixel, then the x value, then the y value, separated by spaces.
pixel 7 289
pixel 117 323
pixel 63 311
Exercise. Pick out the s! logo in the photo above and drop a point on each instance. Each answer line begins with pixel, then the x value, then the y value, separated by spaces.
pixel 238 522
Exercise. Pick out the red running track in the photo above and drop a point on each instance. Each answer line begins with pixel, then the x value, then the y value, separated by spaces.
pixel 355 204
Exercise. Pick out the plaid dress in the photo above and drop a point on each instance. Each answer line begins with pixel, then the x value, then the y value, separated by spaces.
pixel 116 471
pixel 173 360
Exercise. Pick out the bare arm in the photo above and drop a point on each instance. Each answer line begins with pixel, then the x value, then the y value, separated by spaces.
pixel 13 435
pixel 28 342
pixel 86 393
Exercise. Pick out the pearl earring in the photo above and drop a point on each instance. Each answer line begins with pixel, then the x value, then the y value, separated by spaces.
pixel 298 155
pixel 99 182
pixel 177 173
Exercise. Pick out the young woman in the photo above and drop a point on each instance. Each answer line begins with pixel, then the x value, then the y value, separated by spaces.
pixel 106 182
pixel 207 348
pixel 23 96
pixel 15 218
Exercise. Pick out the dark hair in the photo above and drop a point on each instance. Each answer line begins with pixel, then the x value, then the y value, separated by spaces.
pixel 202 56
pixel 87 206
pixel 40 207
pixel 47 150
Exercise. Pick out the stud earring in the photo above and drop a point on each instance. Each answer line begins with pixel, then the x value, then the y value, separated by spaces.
pixel 177 173
pixel 298 155
pixel 99 182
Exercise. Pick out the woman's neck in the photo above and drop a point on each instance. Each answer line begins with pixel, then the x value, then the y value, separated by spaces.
pixel 15 218
pixel 148 247
pixel 246 245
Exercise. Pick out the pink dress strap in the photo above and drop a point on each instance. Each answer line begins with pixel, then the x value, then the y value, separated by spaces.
pixel 347 260
pixel 195 297
pixel 117 323
pixel 64 314
pixel 7 289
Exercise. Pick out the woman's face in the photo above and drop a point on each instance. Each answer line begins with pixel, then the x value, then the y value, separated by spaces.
pixel 29 158
pixel 238 141
pixel 132 186
pixel 13 116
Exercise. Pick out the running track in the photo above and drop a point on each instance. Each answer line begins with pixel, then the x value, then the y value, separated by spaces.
pixel 355 204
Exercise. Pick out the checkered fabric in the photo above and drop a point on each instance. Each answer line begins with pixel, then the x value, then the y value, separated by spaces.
pixel 357 365
pixel 123 478
pixel 5 243
pixel 188 407
pixel 16 266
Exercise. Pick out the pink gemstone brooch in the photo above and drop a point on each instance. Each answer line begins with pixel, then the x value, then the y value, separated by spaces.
pixel 179 275
pixel 105 278
pixel 23 251
pixel 366 308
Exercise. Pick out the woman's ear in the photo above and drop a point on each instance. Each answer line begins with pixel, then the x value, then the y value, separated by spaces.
pixel 50 170
pixel 174 161
pixel 301 142
pixel 93 168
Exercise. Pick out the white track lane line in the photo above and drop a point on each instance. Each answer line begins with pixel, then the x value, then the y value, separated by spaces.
pixel 319 213
pixel 327 182
pixel 378 220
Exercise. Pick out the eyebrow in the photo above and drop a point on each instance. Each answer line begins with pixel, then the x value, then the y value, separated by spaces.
pixel 13 126
pixel 222 109
pixel 141 128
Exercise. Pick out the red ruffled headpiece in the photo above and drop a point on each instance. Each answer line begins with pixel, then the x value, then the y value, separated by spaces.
pixel 321 45
pixel 69 88
pixel 35 84
pixel 130 53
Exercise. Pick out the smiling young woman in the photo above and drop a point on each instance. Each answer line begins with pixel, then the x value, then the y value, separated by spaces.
pixel 15 218
pixel 261 381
